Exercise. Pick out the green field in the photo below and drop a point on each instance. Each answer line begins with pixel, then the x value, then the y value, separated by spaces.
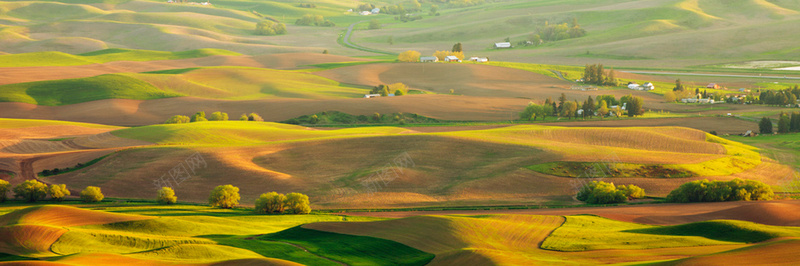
pixel 72 91
pixel 101 56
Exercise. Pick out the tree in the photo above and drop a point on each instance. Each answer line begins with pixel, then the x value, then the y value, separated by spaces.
pixel 631 191
pixel 244 117
pixel 634 106
pixel 712 191
pixel 794 125
pixel 765 125
pixel 561 100
pixel 588 107
pixel 409 56
pixel 91 194
pixel 784 123
pixel 4 188
pixel 598 192
pixel 569 109
pixel 269 28
pixel 297 203
pixel 457 48
pixel 218 116
pixel 178 119
pixel 374 24
pixel 30 190
pixel 58 192
pixel 226 197
pixel 198 117
pixel 670 97
pixel 678 86
pixel 272 202
pixel 376 117
pixel 166 196
pixel 254 117
pixel 399 92
pixel 603 109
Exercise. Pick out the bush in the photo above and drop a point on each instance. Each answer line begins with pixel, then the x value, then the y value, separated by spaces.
pixel 178 119
pixel 226 196
pixel 269 28
pixel 30 190
pixel 408 56
pixel 714 191
pixel 598 192
pixel 297 203
pixel 92 194
pixel 255 117
pixel 58 192
pixel 272 202
pixel 4 187
pixel 166 196
pixel 218 116
pixel 244 117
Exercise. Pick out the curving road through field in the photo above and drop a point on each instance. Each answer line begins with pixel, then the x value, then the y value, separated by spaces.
pixel 346 41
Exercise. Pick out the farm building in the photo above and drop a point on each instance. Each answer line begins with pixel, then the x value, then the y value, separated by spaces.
pixel 648 86
pixel 371 95
pixel 375 11
pixel 713 86
pixel 365 13
pixel 502 45
pixel 479 59
pixel 426 59
pixel 451 58
pixel 634 86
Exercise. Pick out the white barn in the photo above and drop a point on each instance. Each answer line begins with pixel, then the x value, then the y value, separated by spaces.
pixel 501 45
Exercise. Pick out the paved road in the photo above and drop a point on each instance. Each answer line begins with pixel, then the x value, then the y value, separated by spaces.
pixel 708 75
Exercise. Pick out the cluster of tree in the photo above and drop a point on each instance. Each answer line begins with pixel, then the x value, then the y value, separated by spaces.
pixel 442 54
pixel 408 17
pixel 713 191
pixel 556 32
pixel 399 89
pixel 269 28
pixel 459 3
pixel 600 106
pixel 215 116
pixel 365 7
pixel 307 5
pixel 314 20
pixel 402 8
pixel 33 190
pixel 599 192
pixel 434 11
pixel 782 97
pixel 595 74
pixel 275 203
pixel 227 196
pixel 408 56
pixel 336 117
pixel 786 123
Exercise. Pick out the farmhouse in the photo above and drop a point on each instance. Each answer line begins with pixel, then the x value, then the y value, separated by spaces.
pixel 451 58
pixel 375 11
pixel 634 86
pixel 365 13
pixel 648 86
pixel 502 45
pixel 479 59
pixel 371 95
pixel 426 59
pixel 713 86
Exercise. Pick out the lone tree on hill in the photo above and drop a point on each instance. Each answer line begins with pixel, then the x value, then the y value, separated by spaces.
pixel 166 195
pixel 765 125
pixel 226 197
pixel 92 194
pixel 30 190
pixel 457 48
pixel 58 192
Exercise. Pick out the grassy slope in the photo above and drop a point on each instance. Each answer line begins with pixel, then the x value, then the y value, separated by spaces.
pixel 72 91
pixel 101 56
pixel 237 83
pixel 582 233
pixel 22 123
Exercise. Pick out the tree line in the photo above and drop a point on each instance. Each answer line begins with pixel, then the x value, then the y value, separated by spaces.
pixel 782 97
pixel 215 116
pixel 598 192
pixel 33 190
pixel 787 123
pixel 595 74
pixel 600 106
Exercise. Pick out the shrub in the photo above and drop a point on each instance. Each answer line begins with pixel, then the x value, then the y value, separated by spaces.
pixel 631 191
pixel 178 119
pixel 255 117
pixel 297 203
pixel 713 191
pixel 409 56
pixel 166 196
pixel 218 116
pixel 58 192
pixel 4 187
pixel 226 196
pixel 244 117
pixel 272 202
pixel 92 194
pixel 269 28
pixel 30 190
pixel 198 117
